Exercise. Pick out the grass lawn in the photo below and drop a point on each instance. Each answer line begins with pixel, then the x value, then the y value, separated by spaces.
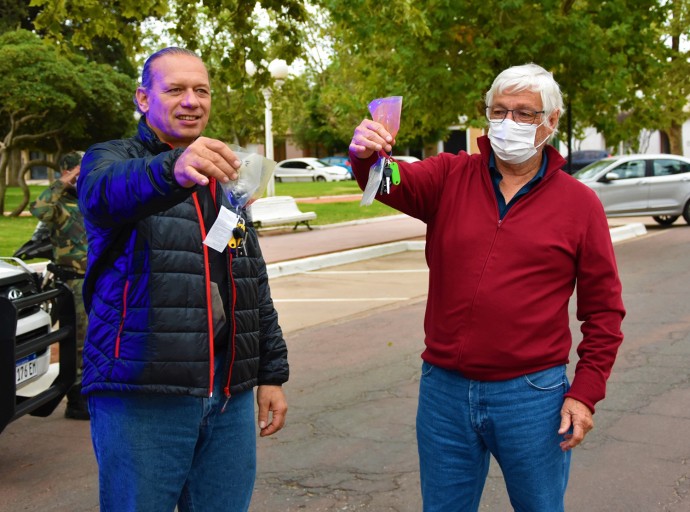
pixel 332 213
pixel 317 188
pixel 17 230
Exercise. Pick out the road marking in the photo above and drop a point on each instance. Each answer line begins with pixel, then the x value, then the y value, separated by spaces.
pixel 342 300
pixel 368 271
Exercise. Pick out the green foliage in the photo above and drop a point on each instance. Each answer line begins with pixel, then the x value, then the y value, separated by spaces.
pixel 80 23
pixel 441 56
pixel 76 101
pixel 225 33
pixel 618 62
pixel 16 14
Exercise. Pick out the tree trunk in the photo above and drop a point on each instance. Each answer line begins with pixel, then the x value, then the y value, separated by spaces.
pixel 3 180
pixel 675 138
pixel 14 163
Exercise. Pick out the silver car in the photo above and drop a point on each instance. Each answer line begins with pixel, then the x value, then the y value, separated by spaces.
pixel 309 169
pixel 637 185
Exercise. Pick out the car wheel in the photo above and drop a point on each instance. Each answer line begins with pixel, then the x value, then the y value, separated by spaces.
pixel 665 220
pixel 320 178
pixel 278 179
pixel 686 212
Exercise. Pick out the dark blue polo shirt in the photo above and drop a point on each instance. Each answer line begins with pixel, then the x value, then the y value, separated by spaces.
pixel 496 178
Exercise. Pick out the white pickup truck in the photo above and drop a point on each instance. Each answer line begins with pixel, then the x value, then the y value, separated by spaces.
pixel 27 332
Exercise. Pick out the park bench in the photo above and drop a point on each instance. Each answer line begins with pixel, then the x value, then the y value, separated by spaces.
pixel 278 210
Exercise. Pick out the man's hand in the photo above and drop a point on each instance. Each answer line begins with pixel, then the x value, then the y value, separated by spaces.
pixel 69 178
pixel 578 416
pixel 205 158
pixel 271 399
pixel 370 137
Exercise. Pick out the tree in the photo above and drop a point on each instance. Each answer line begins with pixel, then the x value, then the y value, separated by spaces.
pixel 225 33
pixel 50 100
pixel 441 56
pixel 669 103
pixel 16 14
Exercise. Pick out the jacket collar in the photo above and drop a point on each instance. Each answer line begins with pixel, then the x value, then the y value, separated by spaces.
pixel 150 139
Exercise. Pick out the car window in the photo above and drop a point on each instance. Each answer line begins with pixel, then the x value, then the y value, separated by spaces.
pixel 294 165
pixel 592 169
pixel 669 167
pixel 632 169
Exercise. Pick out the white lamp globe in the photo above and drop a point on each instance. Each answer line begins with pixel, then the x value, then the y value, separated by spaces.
pixel 278 69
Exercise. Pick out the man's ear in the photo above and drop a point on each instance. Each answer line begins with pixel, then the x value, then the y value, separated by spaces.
pixel 553 119
pixel 142 99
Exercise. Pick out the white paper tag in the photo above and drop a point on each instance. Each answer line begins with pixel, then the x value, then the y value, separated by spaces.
pixel 220 233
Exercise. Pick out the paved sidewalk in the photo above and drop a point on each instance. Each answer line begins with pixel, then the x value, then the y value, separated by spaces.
pixel 287 245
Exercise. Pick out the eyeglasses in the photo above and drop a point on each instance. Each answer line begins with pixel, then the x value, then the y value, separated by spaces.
pixel 520 116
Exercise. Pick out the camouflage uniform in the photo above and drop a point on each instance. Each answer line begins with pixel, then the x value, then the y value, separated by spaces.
pixel 57 208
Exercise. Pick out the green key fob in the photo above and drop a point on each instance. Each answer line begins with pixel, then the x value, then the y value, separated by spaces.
pixel 395 175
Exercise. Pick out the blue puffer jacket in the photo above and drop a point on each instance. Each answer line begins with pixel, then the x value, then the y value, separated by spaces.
pixel 147 287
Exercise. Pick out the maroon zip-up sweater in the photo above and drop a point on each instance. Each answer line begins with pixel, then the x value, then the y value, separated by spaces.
pixel 499 289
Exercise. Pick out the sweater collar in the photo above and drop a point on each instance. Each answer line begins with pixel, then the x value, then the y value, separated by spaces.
pixel 555 160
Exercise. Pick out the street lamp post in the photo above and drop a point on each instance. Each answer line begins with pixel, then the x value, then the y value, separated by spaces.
pixel 278 69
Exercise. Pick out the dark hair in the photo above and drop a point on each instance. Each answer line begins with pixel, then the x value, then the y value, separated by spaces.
pixel 146 71
pixel 70 161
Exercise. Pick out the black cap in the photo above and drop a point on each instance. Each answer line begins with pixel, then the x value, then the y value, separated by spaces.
pixel 70 161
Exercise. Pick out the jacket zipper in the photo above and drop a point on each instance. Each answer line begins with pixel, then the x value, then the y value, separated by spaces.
pixel 226 389
pixel 122 319
pixel 207 283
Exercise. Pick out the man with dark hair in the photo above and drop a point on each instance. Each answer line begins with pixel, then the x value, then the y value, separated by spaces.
pixel 179 333
pixel 58 213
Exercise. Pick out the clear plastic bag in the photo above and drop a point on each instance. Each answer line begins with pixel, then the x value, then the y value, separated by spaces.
pixel 373 183
pixel 387 112
pixel 254 174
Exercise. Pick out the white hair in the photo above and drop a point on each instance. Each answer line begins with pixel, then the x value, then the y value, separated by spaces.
pixel 529 77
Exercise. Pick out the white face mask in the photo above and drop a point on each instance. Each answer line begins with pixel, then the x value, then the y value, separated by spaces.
pixel 514 143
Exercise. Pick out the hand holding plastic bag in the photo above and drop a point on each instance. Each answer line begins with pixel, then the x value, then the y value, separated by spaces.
pixel 254 174
pixel 387 112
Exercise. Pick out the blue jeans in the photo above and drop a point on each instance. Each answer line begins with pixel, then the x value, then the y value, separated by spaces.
pixel 156 452
pixel 460 422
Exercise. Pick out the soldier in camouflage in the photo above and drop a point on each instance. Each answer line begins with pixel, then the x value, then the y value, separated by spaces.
pixel 58 210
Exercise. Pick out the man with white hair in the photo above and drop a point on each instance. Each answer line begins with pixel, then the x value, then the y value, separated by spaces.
pixel 510 237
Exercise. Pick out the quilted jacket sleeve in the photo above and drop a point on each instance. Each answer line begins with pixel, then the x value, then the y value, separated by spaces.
pixel 116 186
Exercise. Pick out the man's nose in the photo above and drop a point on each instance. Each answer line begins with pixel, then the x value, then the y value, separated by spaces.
pixel 190 99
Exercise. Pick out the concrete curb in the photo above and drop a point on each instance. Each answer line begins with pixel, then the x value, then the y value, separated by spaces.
pixel 298 266
pixel 286 268
pixel 633 230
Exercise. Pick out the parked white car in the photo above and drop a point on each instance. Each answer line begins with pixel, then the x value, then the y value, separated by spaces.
pixel 640 185
pixel 309 169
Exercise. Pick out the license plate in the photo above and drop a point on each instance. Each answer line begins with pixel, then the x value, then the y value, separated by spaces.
pixel 26 368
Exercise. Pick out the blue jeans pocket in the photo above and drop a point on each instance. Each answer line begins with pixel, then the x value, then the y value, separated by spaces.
pixel 551 379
